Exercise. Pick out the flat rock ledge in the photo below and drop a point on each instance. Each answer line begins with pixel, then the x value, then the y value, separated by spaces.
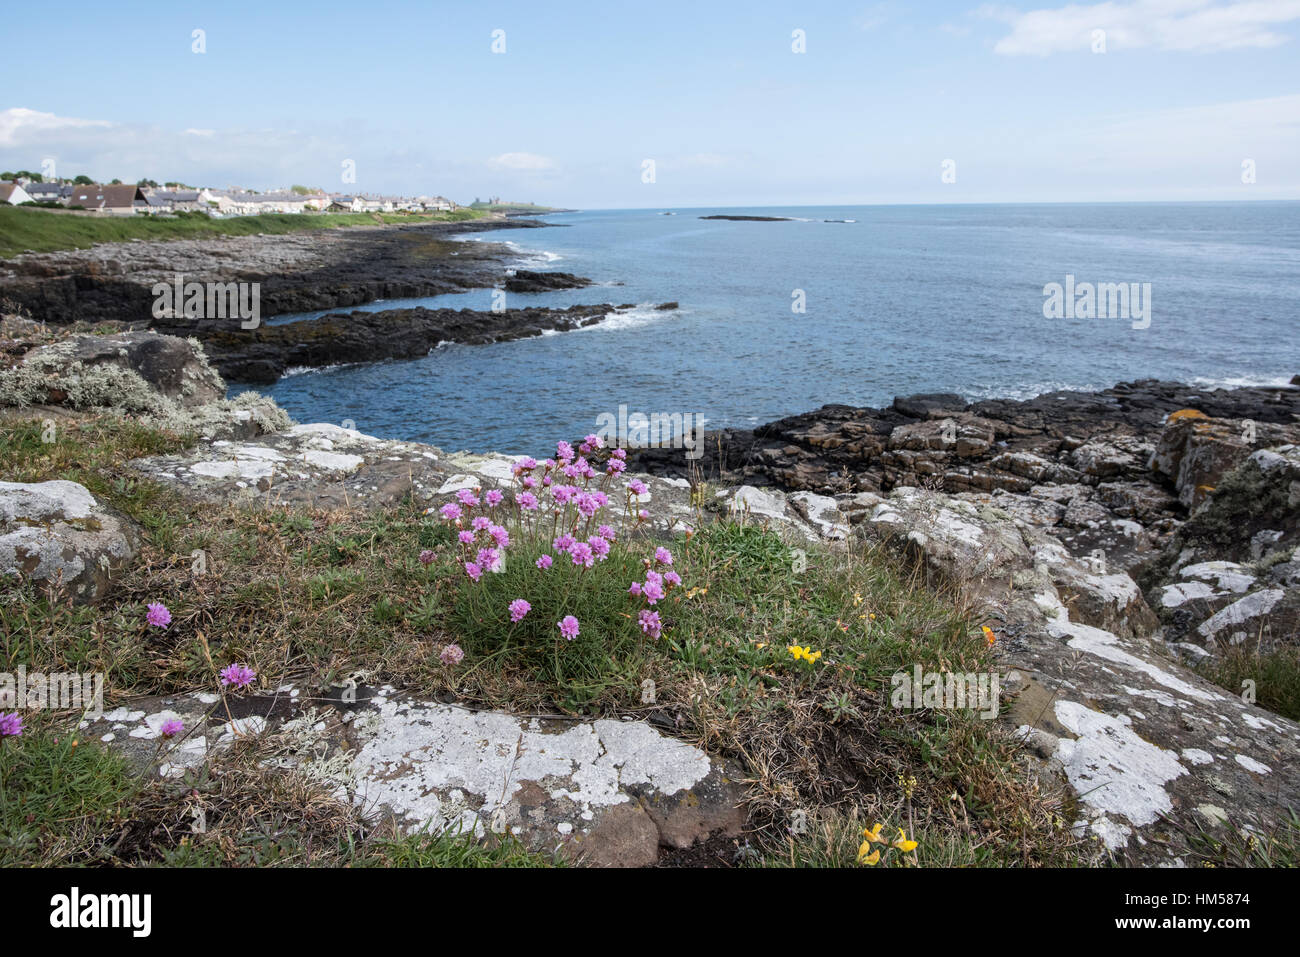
pixel 601 793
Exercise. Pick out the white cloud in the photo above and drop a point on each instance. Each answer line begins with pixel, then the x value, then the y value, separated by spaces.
pixel 521 161
pixel 1182 25
pixel 19 125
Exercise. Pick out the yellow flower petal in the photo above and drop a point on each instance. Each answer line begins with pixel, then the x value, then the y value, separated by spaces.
pixel 872 834
pixel 903 844
pixel 865 858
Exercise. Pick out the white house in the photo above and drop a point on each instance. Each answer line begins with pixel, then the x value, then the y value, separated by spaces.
pixel 13 194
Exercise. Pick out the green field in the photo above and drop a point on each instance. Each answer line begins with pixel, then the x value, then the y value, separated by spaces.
pixel 28 229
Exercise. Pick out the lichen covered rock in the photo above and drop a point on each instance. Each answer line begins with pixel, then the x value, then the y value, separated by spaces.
pixel 57 533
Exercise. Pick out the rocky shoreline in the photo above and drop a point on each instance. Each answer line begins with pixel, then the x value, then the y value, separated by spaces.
pixel 299 272
pixel 111 286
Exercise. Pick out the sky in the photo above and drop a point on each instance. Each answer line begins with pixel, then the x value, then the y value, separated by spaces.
pixel 733 104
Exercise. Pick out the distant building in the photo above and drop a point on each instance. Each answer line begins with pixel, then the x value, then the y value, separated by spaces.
pixel 239 203
pixel 172 201
pixel 13 194
pixel 49 192
pixel 115 200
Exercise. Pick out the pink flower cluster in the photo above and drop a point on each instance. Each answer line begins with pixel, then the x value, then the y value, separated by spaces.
pixel 561 501
pixel 11 725
pixel 237 676
pixel 654 589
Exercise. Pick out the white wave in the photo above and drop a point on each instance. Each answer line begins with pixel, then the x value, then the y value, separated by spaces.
pixel 304 370
pixel 1031 390
pixel 643 314
pixel 1243 382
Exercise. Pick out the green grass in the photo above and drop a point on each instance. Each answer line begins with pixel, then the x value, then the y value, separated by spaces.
pixel 58 797
pixel 25 229
pixel 1275 676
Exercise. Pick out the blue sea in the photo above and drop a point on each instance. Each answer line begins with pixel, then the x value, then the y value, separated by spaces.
pixel 902 299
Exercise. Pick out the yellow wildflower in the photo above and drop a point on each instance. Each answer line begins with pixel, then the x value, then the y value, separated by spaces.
pixel 903 844
pixel 796 651
pixel 988 633
pixel 857 598
pixel 812 658
pixel 872 834
pixel 872 858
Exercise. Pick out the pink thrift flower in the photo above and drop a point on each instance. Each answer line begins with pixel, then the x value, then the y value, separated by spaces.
pixel 605 531
pixel 599 546
pixel 480 523
pixel 568 627
pixel 563 451
pixel 635 589
pixel 467 497
pixel 663 556
pixel 638 487
pixel 585 448
pixel 653 592
pixel 426 556
pixel 451 654
pixel 650 623
pixel 237 676
pixel 653 577
pixel 466 538
pixel 527 501
pixel 673 578
pixel 11 725
pixel 563 543
pixel 158 615
pixel 493 497
pixel 450 511
pixel 619 453
pixel 615 466
pixel 595 441
pixel 643 515
pixel 172 728
pixel 544 562
pixel 473 571
pixel 519 608
pixel 582 554
pixel 499 535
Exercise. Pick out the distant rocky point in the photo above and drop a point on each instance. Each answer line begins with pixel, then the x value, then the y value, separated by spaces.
pixel 753 219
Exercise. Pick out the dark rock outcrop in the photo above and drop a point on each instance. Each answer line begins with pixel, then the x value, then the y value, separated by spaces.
pixel 528 280
pixel 262 355
pixel 1096 468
